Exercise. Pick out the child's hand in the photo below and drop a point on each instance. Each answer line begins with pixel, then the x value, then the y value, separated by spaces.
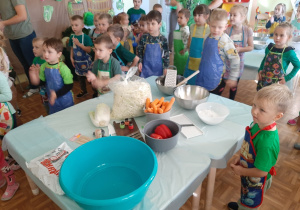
pixel 235 161
pixel 182 52
pixel 282 80
pixel 140 66
pixel 165 71
pixel 124 68
pixel 90 76
pixel 231 83
pixel 272 19
pixel 237 169
pixel 53 97
pixel 76 41
pixel 259 76
pixel 238 49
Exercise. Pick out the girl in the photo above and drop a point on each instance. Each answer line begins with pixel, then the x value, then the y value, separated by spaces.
pixel 195 44
pixel 242 36
pixel 94 33
pixel 278 17
pixel 7 121
pixel 123 19
pixel 143 27
pixel 277 58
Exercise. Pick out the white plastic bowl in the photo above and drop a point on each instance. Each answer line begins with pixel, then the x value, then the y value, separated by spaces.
pixel 204 112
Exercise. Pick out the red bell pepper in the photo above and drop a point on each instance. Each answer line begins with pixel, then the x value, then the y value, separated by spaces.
pixel 156 136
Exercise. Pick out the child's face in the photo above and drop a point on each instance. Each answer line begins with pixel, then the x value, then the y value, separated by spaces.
pixel 143 26
pixel 37 48
pixel 159 9
pixel 137 4
pixel 50 55
pixel 124 21
pixel 153 27
pixel 278 11
pixel 182 20
pixel 236 17
pixel 103 25
pixel 136 29
pixel 95 21
pixel 200 19
pixel 281 37
pixel 264 113
pixel 101 51
pixel 217 27
pixel 298 13
pixel 113 38
pixel 77 26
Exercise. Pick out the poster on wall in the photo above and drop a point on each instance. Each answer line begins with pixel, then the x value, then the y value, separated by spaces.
pixel 295 4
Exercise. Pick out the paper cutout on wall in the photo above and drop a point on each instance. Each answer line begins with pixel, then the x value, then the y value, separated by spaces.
pixel 78 1
pixel 119 4
pixel 48 11
pixel 111 12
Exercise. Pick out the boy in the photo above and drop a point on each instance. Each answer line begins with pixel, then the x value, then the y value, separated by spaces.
pixel 104 21
pixel 106 68
pixel 218 47
pixel 135 12
pixel 180 39
pixel 260 147
pixel 153 48
pixel 80 44
pixel 55 75
pixel 124 56
pixel 163 28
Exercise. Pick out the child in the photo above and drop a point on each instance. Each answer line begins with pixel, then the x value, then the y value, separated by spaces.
pixel 124 56
pixel 260 147
pixel 296 23
pixel 80 44
pixel 278 17
pixel 143 27
pixel 242 36
pixel 153 48
pixel 180 39
pixel 55 75
pixel 95 32
pixel 198 31
pixel 8 119
pixel 218 47
pixel 105 20
pixel 135 12
pixel 163 28
pixel 277 58
pixel 106 68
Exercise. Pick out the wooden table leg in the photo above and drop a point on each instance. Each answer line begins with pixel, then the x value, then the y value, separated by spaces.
pixel 34 188
pixel 210 188
pixel 196 198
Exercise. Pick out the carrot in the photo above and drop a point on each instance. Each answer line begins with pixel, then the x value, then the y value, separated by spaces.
pixel 147 103
pixel 150 110
pixel 154 108
pixel 164 103
pixel 145 110
pixel 170 105
pixel 163 108
pixel 160 101
pixel 155 102
pixel 160 111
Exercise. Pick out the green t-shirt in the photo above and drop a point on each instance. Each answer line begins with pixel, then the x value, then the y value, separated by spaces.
pixel 65 72
pixel 125 55
pixel 132 11
pixel 38 60
pixel 18 30
pixel 266 145
pixel 163 29
pixel 85 40
pixel 115 67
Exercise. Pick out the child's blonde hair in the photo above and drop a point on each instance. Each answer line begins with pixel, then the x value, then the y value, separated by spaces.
pixel 218 15
pixel 4 64
pixel 283 7
pixel 97 16
pixel 242 10
pixel 287 26
pixel 156 6
pixel 36 39
pixel 106 16
pixel 276 94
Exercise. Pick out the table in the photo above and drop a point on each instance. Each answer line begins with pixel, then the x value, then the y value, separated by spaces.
pixel 180 170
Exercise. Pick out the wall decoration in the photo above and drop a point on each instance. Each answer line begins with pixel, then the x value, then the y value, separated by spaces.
pixel 119 4
pixel 48 11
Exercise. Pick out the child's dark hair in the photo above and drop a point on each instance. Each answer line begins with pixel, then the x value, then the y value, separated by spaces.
pixel 117 18
pixel 154 15
pixel 185 12
pixel 143 18
pixel 76 17
pixel 106 16
pixel 201 9
pixel 155 6
pixel 105 38
pixel 54 43
pixel 117 30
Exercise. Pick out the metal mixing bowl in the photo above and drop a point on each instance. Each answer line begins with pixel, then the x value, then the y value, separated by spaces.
pixel 160 81
pixel 260 36
pixel 189 96
pixel 258 45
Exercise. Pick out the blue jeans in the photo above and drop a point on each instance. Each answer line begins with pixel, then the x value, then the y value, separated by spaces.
pixel 23 50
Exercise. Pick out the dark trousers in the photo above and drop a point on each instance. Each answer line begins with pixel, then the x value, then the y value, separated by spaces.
pixel 82 83
pixel 219 90
pixel 173 23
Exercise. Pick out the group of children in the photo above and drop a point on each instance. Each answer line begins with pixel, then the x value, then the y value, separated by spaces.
pixel 209 45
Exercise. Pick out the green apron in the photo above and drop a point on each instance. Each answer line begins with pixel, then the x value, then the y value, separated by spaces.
pixel 179 60
pixel 104 75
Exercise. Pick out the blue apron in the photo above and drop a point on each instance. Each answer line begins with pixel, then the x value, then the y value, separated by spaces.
pixel 152 61
pixel 195 54
pixel 54 81
pixel 211 66
pixel 134 18
pixel 252 188
pixel 82 60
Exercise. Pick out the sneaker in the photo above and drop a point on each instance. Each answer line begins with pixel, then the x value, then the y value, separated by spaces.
pixel 10 192
pixel 31 92
pixel 15 166
pixel 19 112
pixel 297 146
pixel 95 95
pixel 293 121
pixel 233 206
pixel 81 94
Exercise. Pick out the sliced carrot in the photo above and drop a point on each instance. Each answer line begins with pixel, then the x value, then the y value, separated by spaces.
pixel 160 101
pixel 163 108
pixel 150 110
pixel 160 111
pixel 155 102
pixel 154 108
pixel 147 103
pixel 170 105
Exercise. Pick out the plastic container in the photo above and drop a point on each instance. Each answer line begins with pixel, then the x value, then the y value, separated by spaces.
pixel 109 173
pixel 151 116
pixel 161 145
pixel 221 111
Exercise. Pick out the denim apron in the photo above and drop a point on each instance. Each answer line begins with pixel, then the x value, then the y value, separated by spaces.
pixel 179 60
pixel 152 60
pixel 273 69
pixel 211 66
pixel 194 59
pixel 102 75
pixel 134 17
pixel 237 43
pixel 54 81
pixel 252 188
pixel 82 60
pixel 6 119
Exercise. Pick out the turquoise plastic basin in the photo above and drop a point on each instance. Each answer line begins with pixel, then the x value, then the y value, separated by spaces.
pixel 109 173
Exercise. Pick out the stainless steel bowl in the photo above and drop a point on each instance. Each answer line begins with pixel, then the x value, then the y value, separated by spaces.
pixel 189 96
pixel 160 81
pixel 260 36
pixel 258 45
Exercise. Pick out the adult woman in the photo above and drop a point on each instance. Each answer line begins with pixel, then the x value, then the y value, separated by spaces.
pixel 19 31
